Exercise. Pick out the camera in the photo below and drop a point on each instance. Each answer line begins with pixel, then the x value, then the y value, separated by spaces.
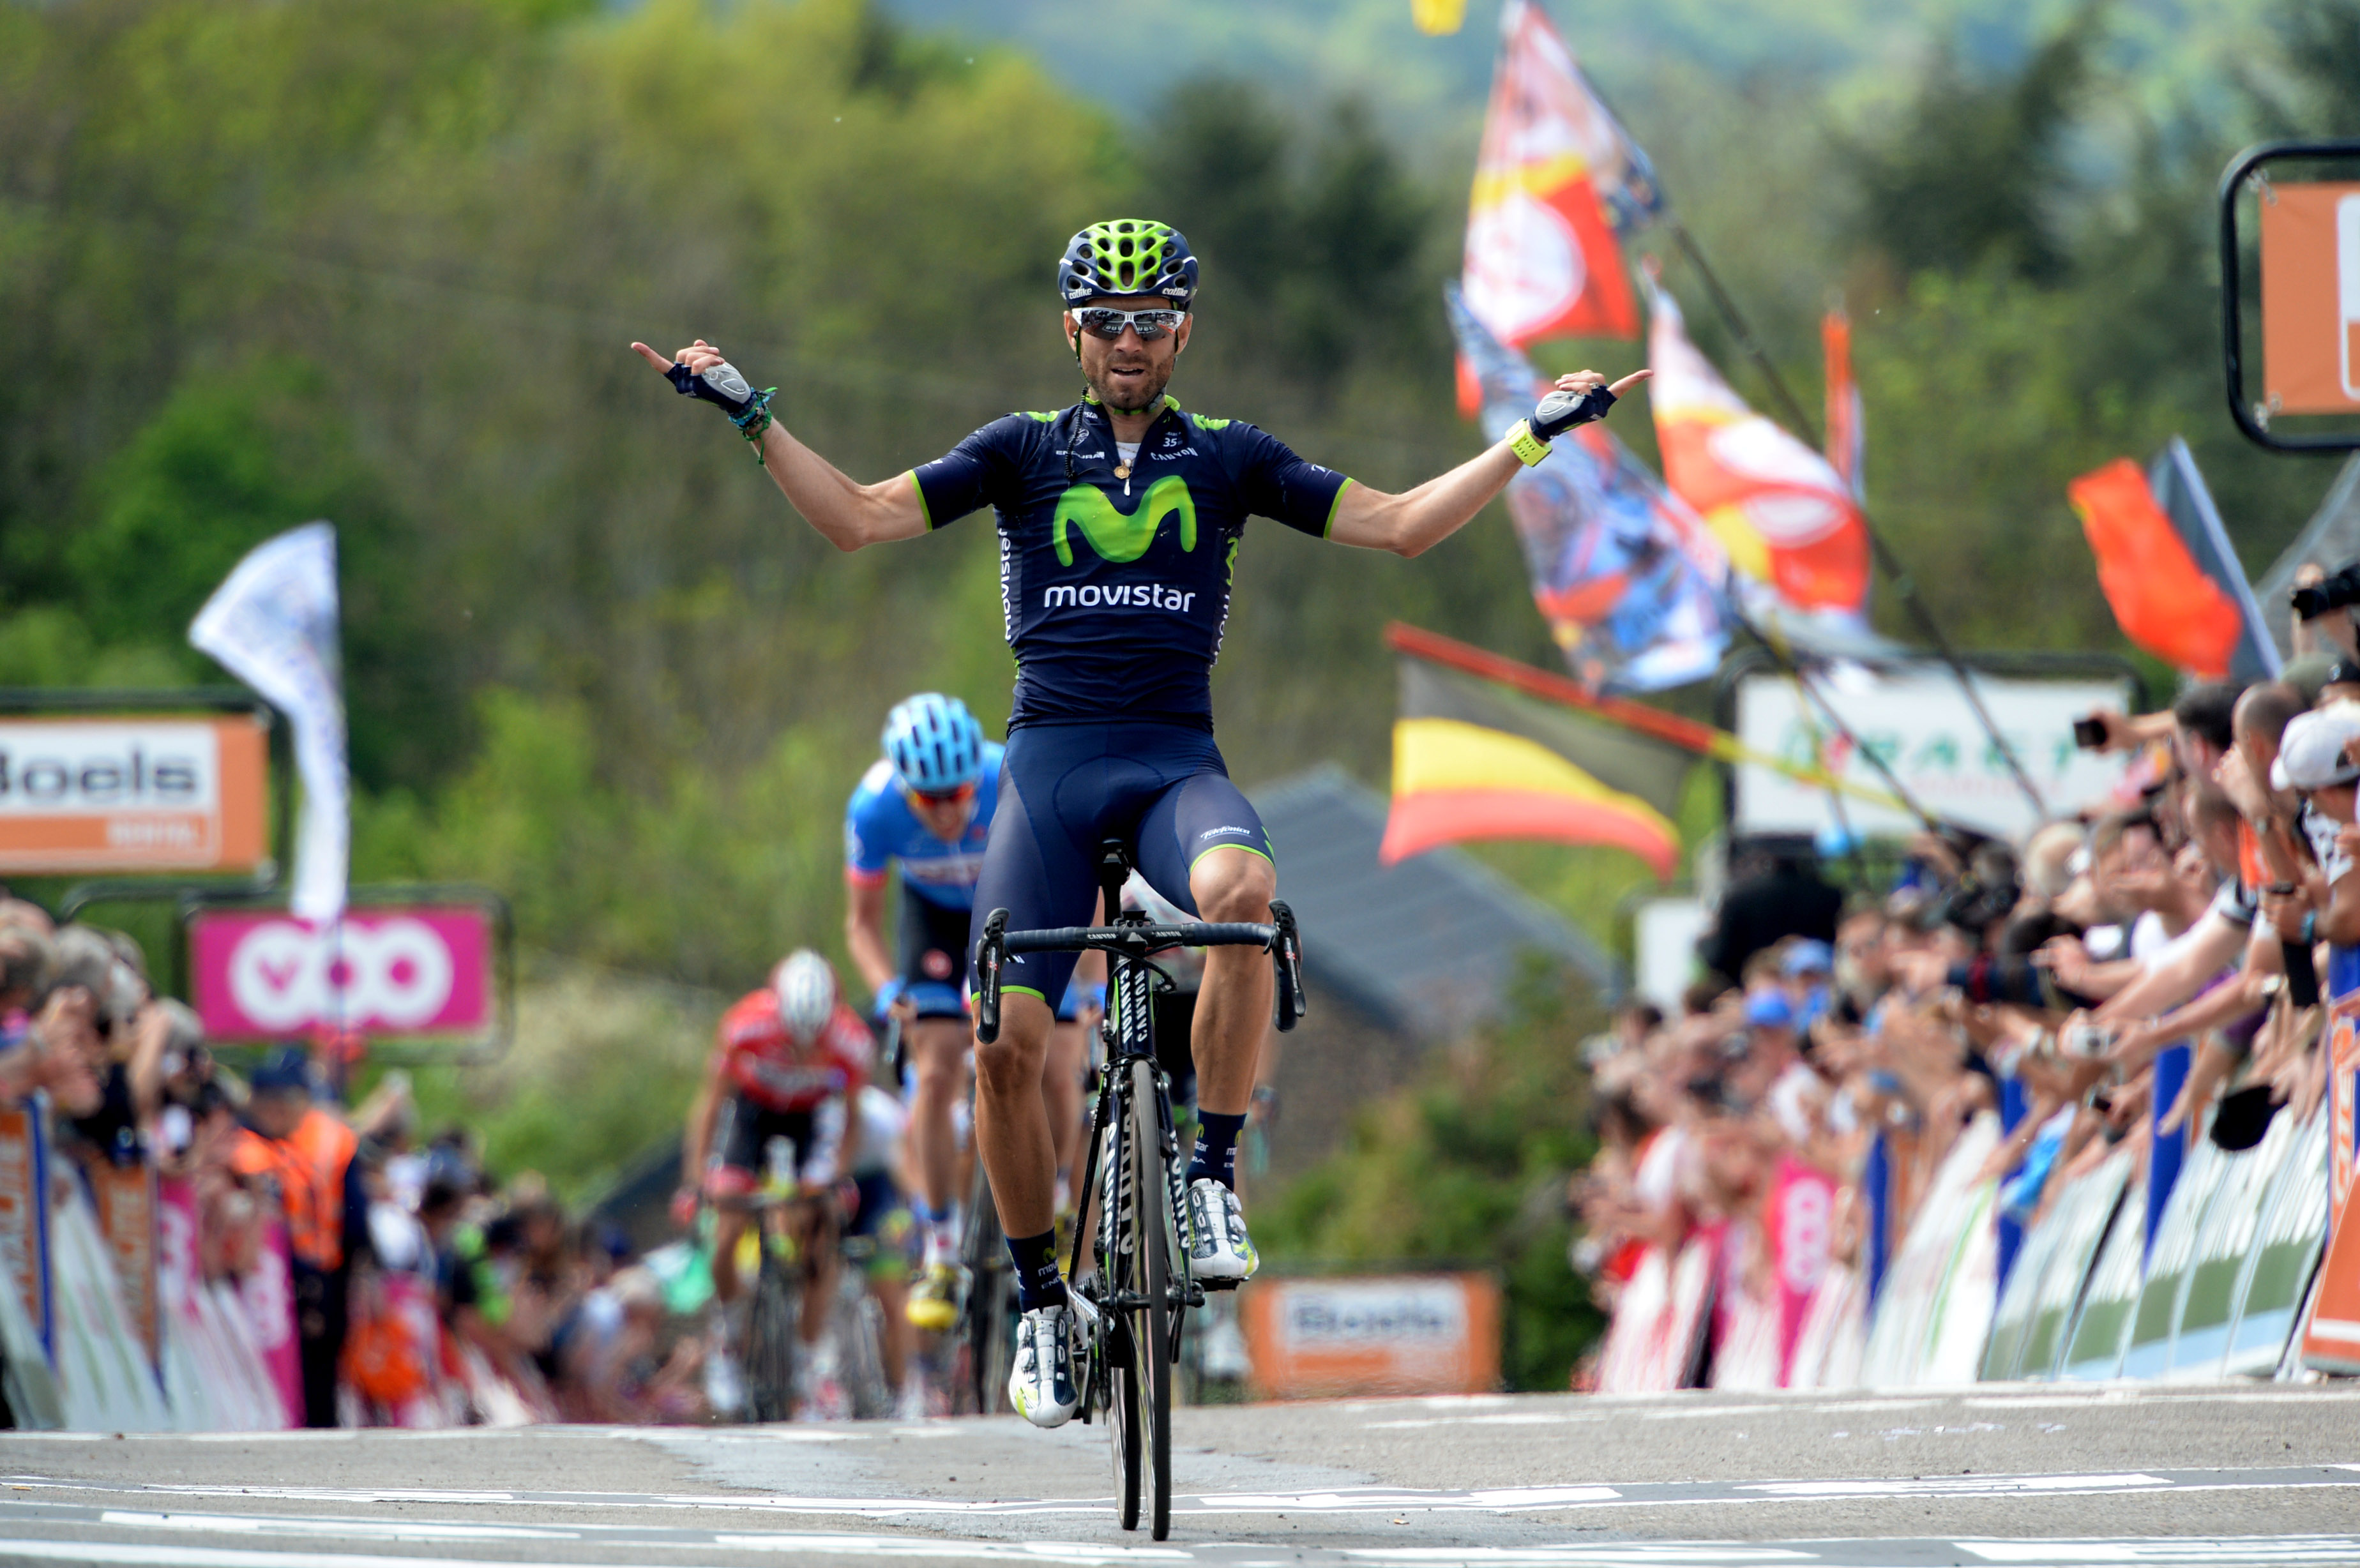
pixel 2337 591
pixel 2089 733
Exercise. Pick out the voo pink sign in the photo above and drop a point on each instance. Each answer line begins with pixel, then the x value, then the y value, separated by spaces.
pixel 412 971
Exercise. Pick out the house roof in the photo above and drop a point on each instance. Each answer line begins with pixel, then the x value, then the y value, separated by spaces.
pixel 1429 945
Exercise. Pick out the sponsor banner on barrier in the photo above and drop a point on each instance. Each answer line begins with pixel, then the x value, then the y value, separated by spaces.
pixel 1420 1333
pixel 266 1295
pixel 25 1214
pixel 126 1223
pixel 422 970
pixel 2332 1342
pixel 133 794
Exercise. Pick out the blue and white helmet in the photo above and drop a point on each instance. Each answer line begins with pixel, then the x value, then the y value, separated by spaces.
pixel 934 743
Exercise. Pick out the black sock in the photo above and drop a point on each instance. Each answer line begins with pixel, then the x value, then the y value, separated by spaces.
pixel 1038 1283
pixel 1217 1149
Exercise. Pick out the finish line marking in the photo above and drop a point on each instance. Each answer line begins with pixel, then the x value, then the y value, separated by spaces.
pixel 1336 1500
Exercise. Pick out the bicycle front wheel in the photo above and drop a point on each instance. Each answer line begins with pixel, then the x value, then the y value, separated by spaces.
pixel 1148 1195
pixel 770 1344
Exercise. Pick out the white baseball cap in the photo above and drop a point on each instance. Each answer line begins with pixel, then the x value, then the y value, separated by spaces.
pixel 2310 753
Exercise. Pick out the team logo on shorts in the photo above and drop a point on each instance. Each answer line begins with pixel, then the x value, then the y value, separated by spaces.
pixel 936 964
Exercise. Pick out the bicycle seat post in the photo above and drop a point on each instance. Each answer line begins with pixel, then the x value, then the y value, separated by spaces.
pixel 1114 870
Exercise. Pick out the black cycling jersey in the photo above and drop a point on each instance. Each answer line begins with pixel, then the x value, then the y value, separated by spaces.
pixel 1115 587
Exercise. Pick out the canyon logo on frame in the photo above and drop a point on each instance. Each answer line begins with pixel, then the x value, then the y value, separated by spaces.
pixel 416 970
pixel 131 794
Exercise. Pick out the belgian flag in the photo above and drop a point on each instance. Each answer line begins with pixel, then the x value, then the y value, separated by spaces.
pixel 1474 760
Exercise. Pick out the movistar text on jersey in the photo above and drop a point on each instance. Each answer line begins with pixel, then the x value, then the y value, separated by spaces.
pixel 1118 596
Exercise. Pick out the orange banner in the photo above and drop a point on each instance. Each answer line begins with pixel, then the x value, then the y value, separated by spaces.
pixel 1415 1334
pixel 2310 298
pixel 133 793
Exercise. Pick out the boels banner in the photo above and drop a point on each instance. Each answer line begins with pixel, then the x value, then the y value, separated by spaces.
pixel 1413 1334
pixel 133 794
pixel 415 970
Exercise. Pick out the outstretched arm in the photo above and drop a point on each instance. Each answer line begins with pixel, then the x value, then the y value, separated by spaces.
pixel 846 512
pixel 1416 520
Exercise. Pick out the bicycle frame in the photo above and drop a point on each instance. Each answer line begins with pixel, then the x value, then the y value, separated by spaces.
pixel 1133 1308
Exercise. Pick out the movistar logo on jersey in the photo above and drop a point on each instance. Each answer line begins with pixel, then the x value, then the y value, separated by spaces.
pixel 1116 537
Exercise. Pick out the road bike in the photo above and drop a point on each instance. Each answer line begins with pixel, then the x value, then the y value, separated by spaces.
pixel 1132 1303
pixel 786 1283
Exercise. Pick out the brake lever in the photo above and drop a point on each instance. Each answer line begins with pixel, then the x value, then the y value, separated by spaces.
pixel 1286 960
pixel 990 949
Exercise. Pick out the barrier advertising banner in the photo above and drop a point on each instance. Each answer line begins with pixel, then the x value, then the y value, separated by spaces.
pixel 25 1214
pixel 2332 1342
pixel 120 794
pixel 422 970
pixel 1921 726
pixel 1422 1334
pixel 127 1223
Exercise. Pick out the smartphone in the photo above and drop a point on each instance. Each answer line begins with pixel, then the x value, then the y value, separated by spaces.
pixel 2089 734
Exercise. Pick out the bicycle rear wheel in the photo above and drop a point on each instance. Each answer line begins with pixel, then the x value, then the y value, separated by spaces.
pixel 1150 1223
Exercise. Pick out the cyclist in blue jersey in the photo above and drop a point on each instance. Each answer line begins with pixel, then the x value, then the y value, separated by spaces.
pixel 926 805
pixel 1120 519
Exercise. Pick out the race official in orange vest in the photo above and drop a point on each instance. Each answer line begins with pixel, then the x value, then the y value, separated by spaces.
pixel 303 1155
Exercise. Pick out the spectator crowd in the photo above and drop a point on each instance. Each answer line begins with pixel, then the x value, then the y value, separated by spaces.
pixel 2145 971
pixel 415 1287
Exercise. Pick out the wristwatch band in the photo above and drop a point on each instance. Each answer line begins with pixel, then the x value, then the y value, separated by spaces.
pixel 1529 448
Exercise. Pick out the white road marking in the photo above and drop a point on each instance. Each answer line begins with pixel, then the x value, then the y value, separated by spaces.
pixel 1637 1555
pixel 2240 1548
pixel 924 1546
pixel 175 1555
pixel 1952 1486
pixel 338 1528
pixel 1501 1499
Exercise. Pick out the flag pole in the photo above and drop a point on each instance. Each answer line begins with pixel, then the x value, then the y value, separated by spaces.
pixel 1886 561
pixel 1687 733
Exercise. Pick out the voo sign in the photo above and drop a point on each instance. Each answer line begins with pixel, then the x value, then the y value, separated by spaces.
pixel 384 971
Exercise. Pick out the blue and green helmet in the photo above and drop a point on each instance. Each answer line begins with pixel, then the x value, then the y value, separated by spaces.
pixel 1128 255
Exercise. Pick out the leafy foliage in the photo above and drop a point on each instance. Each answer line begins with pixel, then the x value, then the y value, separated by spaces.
pixel 1467 1169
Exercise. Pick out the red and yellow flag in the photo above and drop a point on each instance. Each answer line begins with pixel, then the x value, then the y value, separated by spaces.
pixel 2161 598
pixel 1782 511
pixel 1555 181
pixel 1474 760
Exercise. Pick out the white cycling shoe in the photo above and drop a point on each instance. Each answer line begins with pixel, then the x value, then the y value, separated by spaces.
pixel 1219 1247
pixel 1041 1385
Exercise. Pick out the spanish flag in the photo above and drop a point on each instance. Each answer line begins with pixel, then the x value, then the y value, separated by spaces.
pixel 1473 759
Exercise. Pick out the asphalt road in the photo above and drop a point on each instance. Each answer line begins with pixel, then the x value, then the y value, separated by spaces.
pixel 2012 1474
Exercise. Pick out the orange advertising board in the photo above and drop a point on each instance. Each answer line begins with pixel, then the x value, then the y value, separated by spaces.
pixel 2330 1340
pixel 132 793
pixel 2311 298
pixel 1412 1333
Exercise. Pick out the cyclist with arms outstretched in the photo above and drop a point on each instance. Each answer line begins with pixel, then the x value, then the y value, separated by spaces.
pixel 926 805
pixel 1119 518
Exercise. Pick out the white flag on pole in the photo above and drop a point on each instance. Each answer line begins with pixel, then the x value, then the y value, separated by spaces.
pixel 274 624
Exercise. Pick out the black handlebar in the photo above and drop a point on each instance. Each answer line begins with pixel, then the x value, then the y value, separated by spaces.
pixel 1142 940
pixel 1138 940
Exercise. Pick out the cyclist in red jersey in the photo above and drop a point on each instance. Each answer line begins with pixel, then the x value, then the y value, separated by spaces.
pixel 781 1054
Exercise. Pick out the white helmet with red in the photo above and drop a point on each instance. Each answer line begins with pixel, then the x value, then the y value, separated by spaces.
pixel 806 984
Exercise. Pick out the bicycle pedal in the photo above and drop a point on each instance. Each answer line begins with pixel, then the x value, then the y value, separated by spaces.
pixel 1200 1286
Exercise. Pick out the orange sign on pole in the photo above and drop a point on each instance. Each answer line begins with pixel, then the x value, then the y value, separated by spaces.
pixel 1417 1334
pixel 2310 298
pixel 132 794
